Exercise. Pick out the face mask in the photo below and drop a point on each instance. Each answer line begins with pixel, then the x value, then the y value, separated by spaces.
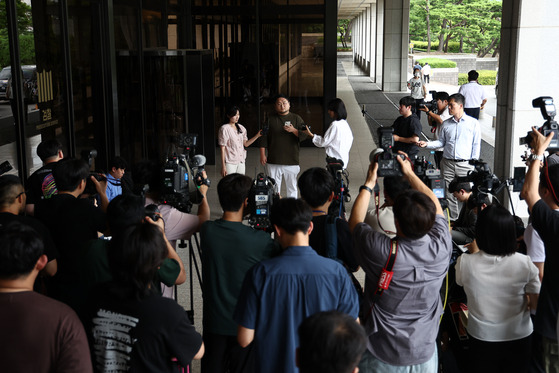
pixel 416 75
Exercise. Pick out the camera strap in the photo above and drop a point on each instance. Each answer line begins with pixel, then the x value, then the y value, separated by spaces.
pixel 377 207
pixel 385 274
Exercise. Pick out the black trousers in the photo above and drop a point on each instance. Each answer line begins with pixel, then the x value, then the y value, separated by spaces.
pixel 472 111
pixel 494 357
pixel 224 354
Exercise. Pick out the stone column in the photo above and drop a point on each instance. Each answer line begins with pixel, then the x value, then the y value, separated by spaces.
pixel 379 41
pixel 527 69
pixel 396 36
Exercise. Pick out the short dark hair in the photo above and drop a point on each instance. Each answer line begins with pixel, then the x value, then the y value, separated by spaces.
pixel 472 75
pixel 394 185
pixel 338 107
pixel 293 215
pixel 415 213
pixel 147 172
pixel 407 101
pixel 443 96
pixel 124 211
pixel 458 98
pixel 549 179
pixel 330 342
pixel 316 185
pixel 68 173
pixel 496 231
pixel 10 187
pixel 477 200
pixel 118 162
pixel 281 96
pixel 458 184
pixel 48 149
pixel 21 248
pixel 135 255
pixel 232 191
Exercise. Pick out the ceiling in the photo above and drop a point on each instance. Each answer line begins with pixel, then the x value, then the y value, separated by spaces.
pixel 348 9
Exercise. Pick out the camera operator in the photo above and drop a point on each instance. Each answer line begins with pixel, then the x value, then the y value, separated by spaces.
pixel 463 229
pixel 229 250
pixel 406 316
pixel 407 128
pixel 436 120
pixel 461 142
pixel 72 222
pixel 178 225
pixel 543 200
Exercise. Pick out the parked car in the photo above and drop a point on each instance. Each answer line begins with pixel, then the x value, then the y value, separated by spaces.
pixel 29 81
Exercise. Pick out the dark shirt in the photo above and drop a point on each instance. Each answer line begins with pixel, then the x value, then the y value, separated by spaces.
pixel 72 222
pixel 40 185
pixel 546 222
pixel 138 335
pixel 229 250
pixel 317 240
pixel 49 247
pixel 407 127
pixel 283 147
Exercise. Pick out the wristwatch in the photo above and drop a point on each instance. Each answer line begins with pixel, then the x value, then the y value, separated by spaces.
pixel 535 157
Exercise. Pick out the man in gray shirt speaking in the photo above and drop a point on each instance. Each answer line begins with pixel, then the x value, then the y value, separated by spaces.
pixel 402 324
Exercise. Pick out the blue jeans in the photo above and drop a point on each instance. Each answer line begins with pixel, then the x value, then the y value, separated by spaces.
pixel 370 364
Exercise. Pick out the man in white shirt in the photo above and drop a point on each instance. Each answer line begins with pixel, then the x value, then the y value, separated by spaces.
pixel 426 70
pixel 474 95
pixel 460 138
pixel 436 120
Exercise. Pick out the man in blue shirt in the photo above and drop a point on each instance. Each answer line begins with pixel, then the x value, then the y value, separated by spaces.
pixel 460 139
pixel 279 293
pixel 117 168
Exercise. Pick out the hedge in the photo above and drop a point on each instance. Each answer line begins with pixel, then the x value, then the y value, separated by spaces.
pixel 486 77
pixel 437 62
pixel 453 46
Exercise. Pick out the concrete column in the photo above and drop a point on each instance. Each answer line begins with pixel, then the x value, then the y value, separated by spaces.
pixel 379 41
pixel 527 70
pixel 396 36
pixel 373 40
pixel 367 40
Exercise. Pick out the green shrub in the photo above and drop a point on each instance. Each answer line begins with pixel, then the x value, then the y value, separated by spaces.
pixel 437 62
pixel 486 77
pixel 453 46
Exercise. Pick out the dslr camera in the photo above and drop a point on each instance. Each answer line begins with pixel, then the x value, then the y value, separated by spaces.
pixel 387 163
pixel 261 198
pixel 547 108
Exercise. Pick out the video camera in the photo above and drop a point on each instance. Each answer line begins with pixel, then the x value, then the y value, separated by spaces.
pixel 387 163
pixel 341 189
pixel 261 197
pixel 5 167
pixel 484 181
pixel 432 105
pixel 547 107
pixel 182 174
pixel 430 176
pixel 89 156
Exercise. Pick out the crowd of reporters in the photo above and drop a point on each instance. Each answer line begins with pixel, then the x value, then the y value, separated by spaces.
pixel 285 304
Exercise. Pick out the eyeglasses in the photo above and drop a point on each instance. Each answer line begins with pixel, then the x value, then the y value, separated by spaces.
pixel 282 103
pixel 20 194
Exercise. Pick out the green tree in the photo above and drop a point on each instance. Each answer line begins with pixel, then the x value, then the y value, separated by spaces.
pixel 24 21
pixel 344 31
pixel 25 34
pixel 475 24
